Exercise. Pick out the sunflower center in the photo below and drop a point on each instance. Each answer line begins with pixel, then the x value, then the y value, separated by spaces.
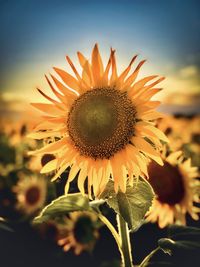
pixel 101 121
pixel 32 195
pixel 167 182
pixel 84 230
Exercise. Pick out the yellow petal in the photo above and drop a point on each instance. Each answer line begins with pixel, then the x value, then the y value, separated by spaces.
pixel 150 129
pixel 145 147
pixel 50 166
pixel 82 177
pixel 87 74
pixel 49 109
pixel 150 115
pixel 51 148
pixel 134 154
pixel 140 84
pixel 56 103
pixel 154 83
pixel 61 170
pixel 82 84
pixel 97 65
pixel 71 95
pixel 73 172
pixel 68 79
pixel 82 59
pixel 106 72
pixel 133 76
pixel 126 71
pixel 148 94
pixel 114 68
pixel 58 95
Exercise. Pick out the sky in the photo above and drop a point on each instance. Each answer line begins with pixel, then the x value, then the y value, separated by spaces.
pixel 37 35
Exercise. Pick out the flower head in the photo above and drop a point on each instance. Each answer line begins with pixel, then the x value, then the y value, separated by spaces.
pixel 31 194
pixel 176 188
pixel 100 121
pixel 81 232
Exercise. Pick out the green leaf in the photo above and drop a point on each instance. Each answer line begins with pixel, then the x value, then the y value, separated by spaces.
pixel 133 204
pixel 181 239
pixel 62 206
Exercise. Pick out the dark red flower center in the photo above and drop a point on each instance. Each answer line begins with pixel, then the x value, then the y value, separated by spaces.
pixel 167 182
pixel 32 195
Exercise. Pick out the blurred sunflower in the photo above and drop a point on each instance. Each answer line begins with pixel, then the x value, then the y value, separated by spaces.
pixel 102 121
pixel 176 187
pixel 31 194
pixel 81 230
pixel 173 127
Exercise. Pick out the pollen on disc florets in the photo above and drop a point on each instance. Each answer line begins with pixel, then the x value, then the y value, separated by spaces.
pixel 101 122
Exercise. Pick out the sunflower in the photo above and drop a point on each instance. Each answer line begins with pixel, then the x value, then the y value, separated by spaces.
pixel 173 127
pixel 81 230
pixel 176 187
pixel 31 194
pixel 104 121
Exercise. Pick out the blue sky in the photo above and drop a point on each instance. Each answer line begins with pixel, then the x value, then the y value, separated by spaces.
pixel 36 35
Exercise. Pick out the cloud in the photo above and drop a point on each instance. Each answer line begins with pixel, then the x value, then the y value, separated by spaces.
pixel 190 71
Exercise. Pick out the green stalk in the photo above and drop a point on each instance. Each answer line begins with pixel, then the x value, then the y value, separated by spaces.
pixel 125 242
pixel 112 230
pixel 148 257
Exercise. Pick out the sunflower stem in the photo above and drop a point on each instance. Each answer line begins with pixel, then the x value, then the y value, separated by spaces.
pixel 148 257
pixel 112 230
pixel 125 242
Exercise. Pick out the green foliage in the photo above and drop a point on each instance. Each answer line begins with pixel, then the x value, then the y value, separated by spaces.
pixel 133 204
pixel 181 248
pixel 63 205
pixel 181 238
